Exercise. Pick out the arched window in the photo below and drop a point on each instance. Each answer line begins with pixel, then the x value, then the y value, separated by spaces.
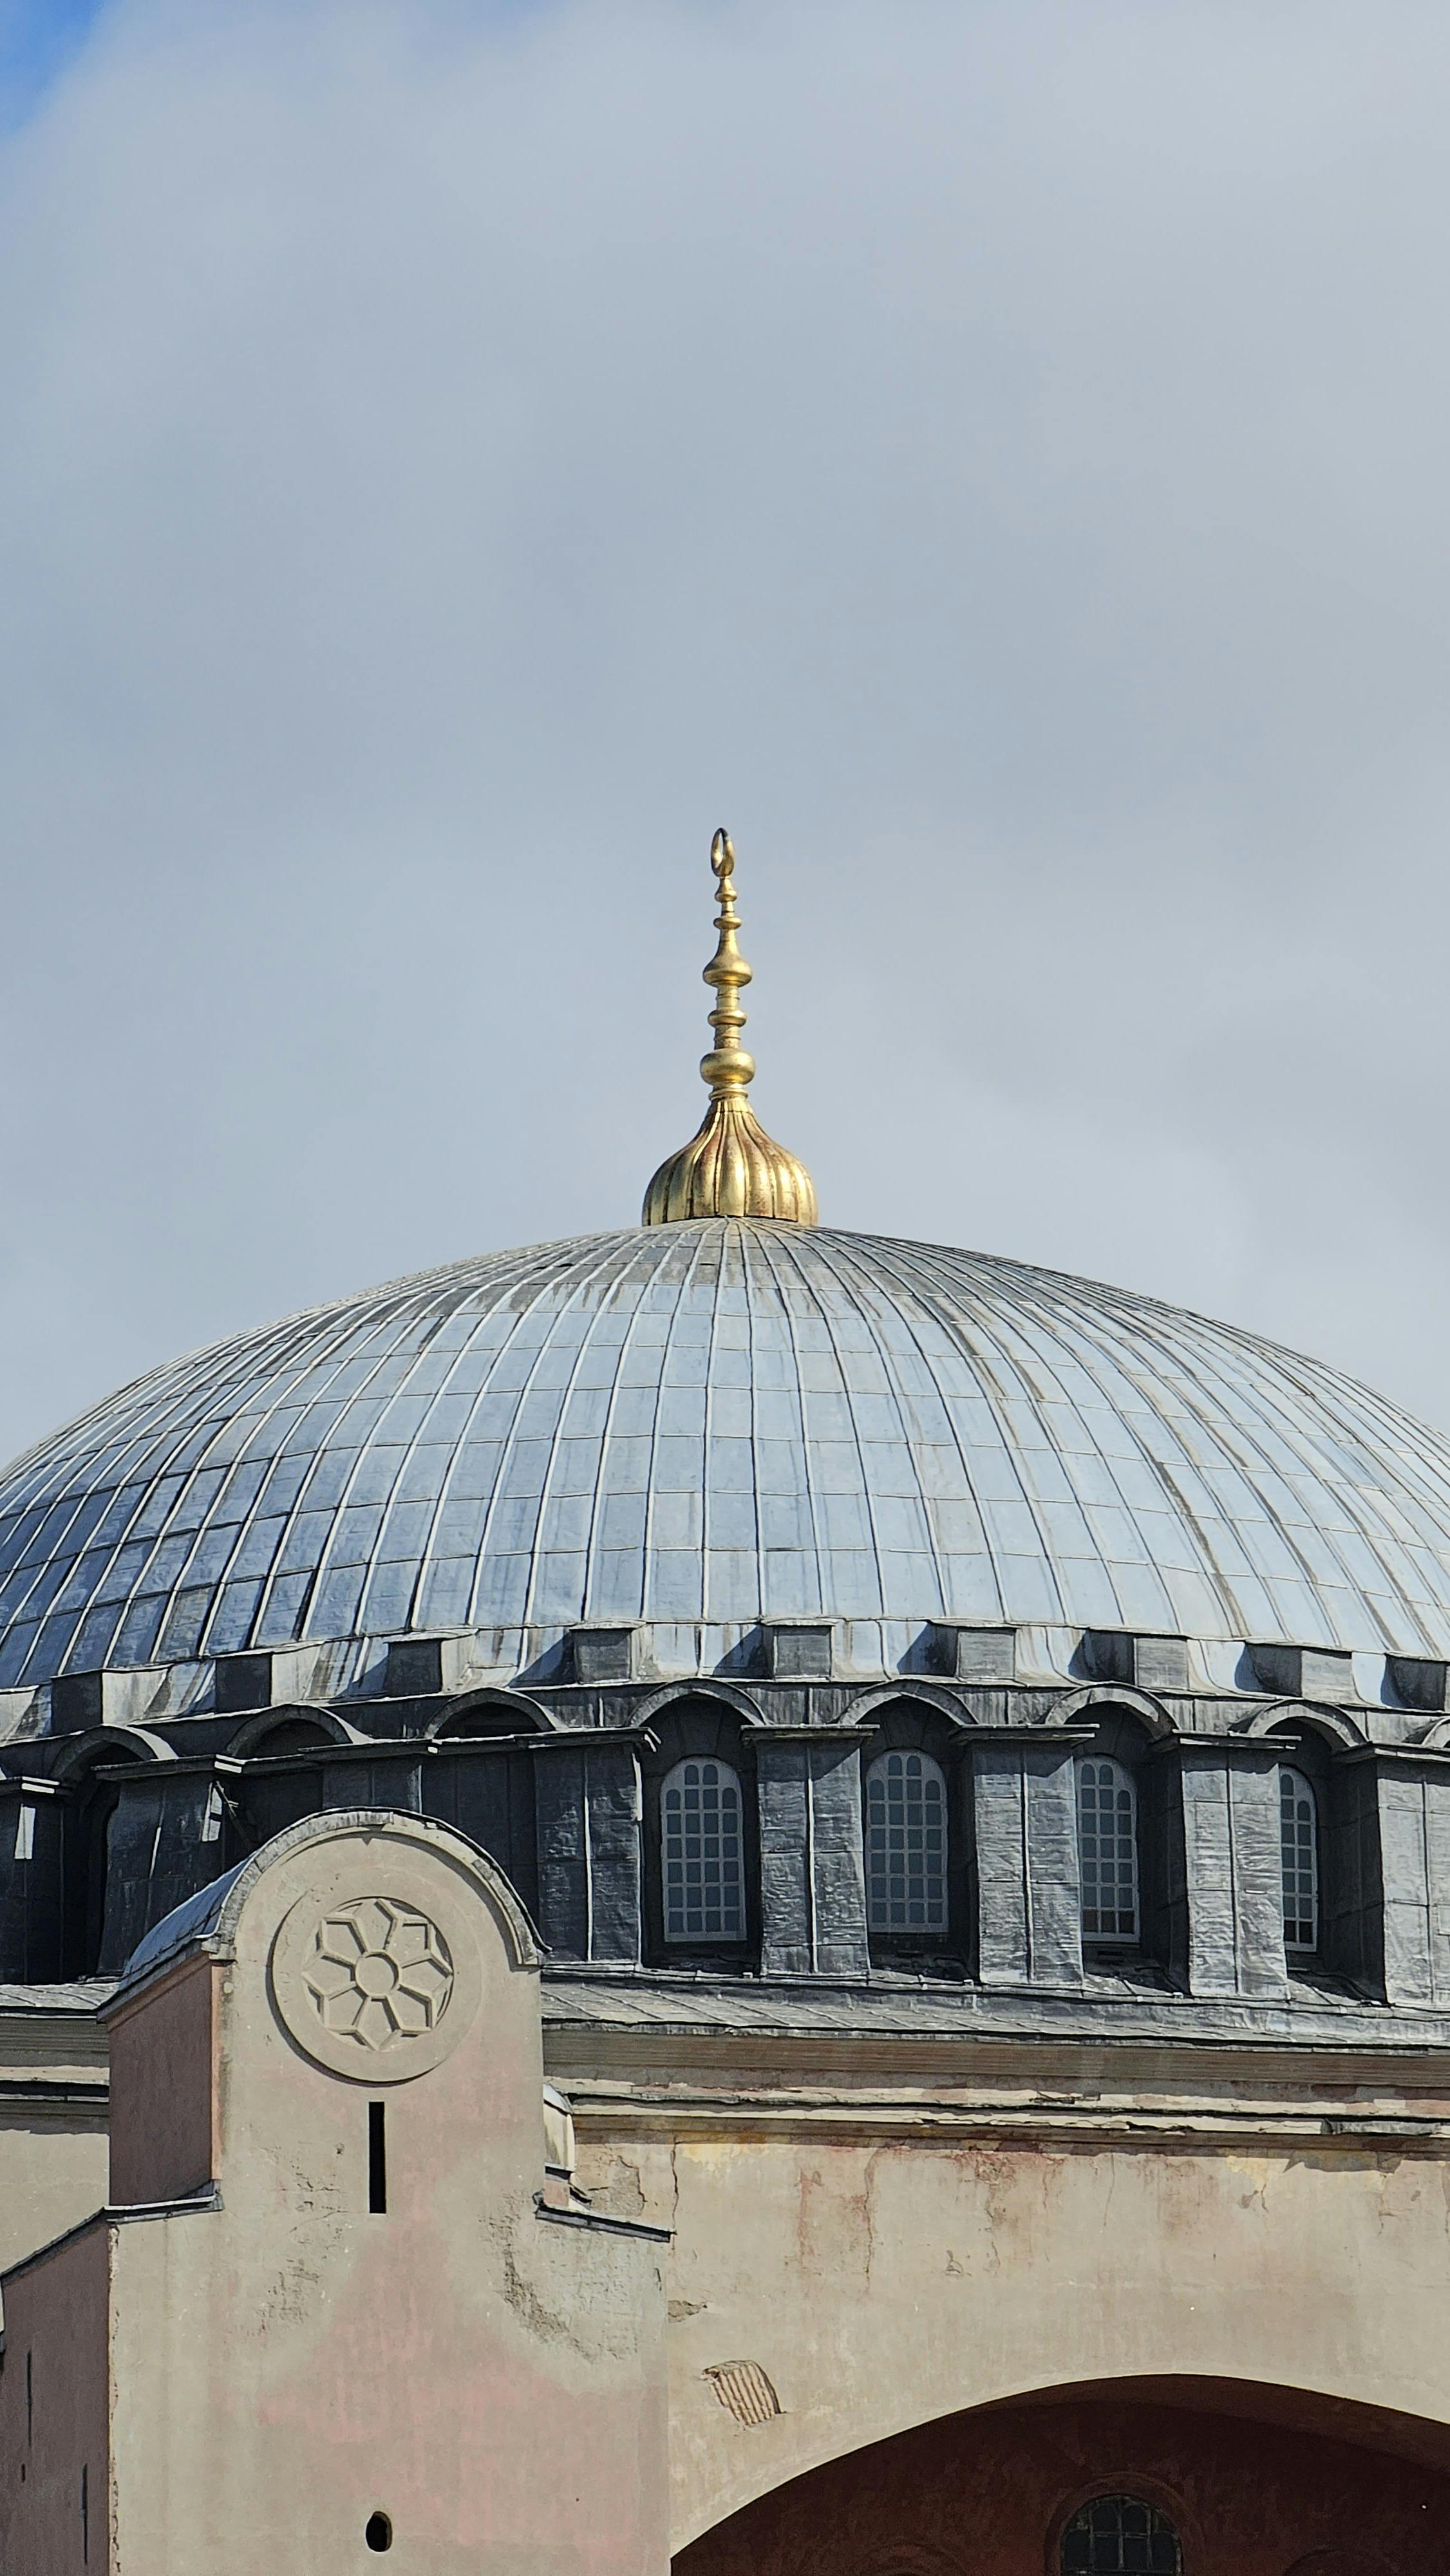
pixel 1299 1856
pixel 1117 2533
pixel 906 1844
pixel 1107 1841
pixel 703 1867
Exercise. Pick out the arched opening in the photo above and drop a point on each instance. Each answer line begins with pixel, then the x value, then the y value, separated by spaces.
pixel 488 1721
pixel 85 1846
pixel 271 1799
pixel 1130 2478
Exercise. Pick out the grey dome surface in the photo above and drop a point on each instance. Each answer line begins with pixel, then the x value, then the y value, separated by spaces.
pixel 714 1422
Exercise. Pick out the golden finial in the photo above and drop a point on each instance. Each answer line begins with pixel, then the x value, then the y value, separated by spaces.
pixel 731 1168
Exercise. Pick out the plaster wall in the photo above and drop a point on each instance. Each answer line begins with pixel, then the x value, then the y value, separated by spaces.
pixel 882 2283
pixel 292 2362
pixel 52 2174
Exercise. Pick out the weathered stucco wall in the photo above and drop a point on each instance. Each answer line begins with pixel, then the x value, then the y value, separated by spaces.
pixel 880 2283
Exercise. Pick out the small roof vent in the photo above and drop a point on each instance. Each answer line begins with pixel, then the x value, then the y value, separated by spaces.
pixel 1301 1672
pixel 1416 1683
pixel 414 1668
pixel 973 1654
pixel 797 1650
pixel 1149 1663
pixel 604 1654
pixel 77 1701
pixel 243 1682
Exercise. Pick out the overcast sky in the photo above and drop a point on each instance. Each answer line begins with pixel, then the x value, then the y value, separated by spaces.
pixel 990 454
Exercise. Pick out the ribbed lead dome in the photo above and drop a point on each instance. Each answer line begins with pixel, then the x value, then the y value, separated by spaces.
pixel 713 1422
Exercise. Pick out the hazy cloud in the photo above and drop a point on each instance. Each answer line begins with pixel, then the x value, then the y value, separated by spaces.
pixel 993 456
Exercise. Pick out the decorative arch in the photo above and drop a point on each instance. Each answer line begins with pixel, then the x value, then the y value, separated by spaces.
pixel 251 1737
pixel 1333 1725
pixel 523 1716
pixel 741 1703
pixel 110 1744
pixel 1095 1696
pixel 942 1701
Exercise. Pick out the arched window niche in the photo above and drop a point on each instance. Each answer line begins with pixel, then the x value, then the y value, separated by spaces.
pixel 701 1839
pixel 87 1823
pixel 1124 1832
pixel 270 1800
pixel 479 1775
pixel 916 1838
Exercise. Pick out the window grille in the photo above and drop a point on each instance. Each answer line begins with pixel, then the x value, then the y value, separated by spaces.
pixel 906 1844
pixel 1115 2535
pixel 1299 1852
pixel 1107 1837
pixel 704 1878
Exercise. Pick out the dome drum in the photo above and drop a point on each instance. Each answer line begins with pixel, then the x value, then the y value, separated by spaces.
pixel 103 1833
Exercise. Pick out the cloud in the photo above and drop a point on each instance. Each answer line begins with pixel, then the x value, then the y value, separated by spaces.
pixel 990 455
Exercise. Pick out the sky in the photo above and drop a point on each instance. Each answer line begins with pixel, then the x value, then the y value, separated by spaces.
pixel 990 454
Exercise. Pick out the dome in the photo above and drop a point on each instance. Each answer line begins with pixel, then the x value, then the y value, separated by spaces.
pixel 698 1425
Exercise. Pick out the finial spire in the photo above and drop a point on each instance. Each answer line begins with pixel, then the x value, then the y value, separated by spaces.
pixel 731 1167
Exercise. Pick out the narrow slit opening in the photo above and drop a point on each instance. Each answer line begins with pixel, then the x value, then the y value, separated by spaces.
pixel 377 2158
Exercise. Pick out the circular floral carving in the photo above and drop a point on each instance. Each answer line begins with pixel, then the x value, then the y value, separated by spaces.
pixel 380 1972
pixel 377 1982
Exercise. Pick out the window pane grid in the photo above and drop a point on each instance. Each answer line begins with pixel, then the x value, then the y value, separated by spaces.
pixel 906 1844
pixel 1107 1829
pixel 1299 1853
pixel 704 1880
pixel 1120 2536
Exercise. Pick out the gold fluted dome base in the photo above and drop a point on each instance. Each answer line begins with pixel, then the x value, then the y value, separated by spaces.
pixel 731 1168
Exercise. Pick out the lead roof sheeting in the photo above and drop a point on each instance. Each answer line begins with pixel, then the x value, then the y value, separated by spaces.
pixel 711 1422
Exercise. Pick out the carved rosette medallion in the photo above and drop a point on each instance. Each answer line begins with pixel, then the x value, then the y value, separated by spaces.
pixel 371 1986
pixel 382 1972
